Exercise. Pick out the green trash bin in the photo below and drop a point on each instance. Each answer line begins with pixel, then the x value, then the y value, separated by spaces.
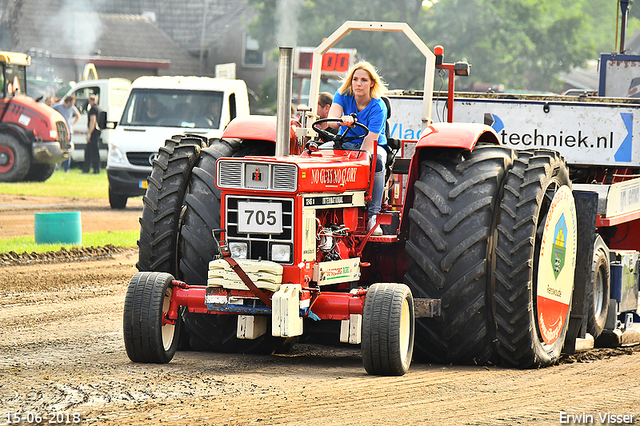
pixel 60 227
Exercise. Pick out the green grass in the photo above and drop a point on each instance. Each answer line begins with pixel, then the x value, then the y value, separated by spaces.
pixel 89 239
pixel 74 184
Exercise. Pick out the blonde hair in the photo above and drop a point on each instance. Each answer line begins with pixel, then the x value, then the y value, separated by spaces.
pixel 379 86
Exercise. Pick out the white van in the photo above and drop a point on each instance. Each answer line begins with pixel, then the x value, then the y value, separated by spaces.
pixel 112 95
pixel 158 108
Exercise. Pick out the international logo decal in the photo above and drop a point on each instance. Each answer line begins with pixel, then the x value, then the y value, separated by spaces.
pixel 559 246
pixel 256 176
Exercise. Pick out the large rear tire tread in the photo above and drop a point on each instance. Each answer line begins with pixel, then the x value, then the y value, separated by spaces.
pixel 450 247
pixel 388 327
pixel 146 338
pixel 159 223
pixel 522 211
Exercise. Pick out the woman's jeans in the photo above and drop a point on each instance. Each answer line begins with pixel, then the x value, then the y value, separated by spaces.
pixel 378 182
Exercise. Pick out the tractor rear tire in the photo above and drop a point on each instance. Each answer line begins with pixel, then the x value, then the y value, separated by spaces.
pixel 532 184
pixel 202 215
pixel 450 250
pixel 14 159
pixel 147 338
pixel 388 327
pixel 40 172
pixel 159 223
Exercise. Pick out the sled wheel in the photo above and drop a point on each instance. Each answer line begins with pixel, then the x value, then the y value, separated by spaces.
pixel 536 255
pixel 599 290
pixel 452 223
pixel 388 327
pixel 14 159
pixel 148 337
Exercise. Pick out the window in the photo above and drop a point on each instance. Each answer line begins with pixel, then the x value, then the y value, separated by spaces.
pixel 173 108
pixel 253 56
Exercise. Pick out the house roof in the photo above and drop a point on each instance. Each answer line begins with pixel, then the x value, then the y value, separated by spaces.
pixel 110 39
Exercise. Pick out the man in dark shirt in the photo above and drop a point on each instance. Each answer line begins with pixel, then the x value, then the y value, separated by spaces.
pixel 92 151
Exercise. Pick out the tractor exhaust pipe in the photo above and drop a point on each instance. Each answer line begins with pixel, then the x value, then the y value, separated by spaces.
pixel 285 84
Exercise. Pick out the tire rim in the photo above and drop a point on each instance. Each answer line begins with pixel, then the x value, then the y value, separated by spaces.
pixel 553 274
pixel 405 331
pixel 6 159
pixel 168 330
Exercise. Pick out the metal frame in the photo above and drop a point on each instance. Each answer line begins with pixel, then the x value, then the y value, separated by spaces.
pixel 349 26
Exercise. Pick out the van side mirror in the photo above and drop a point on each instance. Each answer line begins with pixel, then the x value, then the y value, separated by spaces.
pixel 103 123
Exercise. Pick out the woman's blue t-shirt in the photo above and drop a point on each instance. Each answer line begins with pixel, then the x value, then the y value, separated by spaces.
pixel 374 116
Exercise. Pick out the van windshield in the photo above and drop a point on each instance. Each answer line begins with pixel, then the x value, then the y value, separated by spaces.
pixel 173 108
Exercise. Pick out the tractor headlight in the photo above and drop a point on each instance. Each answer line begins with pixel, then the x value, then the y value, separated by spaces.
pixel 281 253
pixel 239 250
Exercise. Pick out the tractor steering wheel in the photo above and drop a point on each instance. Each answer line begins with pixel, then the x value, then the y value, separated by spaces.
pixel 338 139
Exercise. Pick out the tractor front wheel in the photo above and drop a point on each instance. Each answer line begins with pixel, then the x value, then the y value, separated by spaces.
pixel 388 326
pixel 148 334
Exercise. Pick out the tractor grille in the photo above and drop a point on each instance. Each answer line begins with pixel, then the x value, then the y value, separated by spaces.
pixel 63 135
pixel 277 177
pixel 260 245
pixel 144 159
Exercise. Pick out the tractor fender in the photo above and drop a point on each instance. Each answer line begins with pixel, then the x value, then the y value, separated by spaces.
pixel 456 135
pixel 256 127
pixel 442 136
pixel 20 133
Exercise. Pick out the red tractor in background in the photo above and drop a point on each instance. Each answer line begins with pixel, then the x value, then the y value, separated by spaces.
pixel 241 250
pixel 33 136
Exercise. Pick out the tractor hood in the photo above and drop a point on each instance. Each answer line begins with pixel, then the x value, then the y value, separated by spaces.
pixel 321 171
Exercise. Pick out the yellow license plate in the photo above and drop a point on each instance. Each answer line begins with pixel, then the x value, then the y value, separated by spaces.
pixel 144 184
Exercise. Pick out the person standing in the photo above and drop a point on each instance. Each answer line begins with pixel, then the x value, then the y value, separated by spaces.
pixel 360 95
pixel 67 108
pixel 92 151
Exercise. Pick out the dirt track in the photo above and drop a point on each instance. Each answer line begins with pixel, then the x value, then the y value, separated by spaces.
pixel 62 352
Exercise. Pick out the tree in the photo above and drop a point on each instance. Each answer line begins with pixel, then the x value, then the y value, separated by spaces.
pixel 523 44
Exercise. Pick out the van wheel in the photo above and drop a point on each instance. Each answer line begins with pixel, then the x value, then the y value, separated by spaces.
pixel 14 159
pixel 117 201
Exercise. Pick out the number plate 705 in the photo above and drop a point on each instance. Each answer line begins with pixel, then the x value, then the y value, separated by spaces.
pixel 259 218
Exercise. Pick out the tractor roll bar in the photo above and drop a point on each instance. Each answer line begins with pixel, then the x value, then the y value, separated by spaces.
pixel 349 26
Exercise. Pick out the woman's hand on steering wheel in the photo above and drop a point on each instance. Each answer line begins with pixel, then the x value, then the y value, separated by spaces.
pixel 337 138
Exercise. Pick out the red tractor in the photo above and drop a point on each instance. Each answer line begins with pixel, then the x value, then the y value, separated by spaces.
pixel 33 136
pixel 241 250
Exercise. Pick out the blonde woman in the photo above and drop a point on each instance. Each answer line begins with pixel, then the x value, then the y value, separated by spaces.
pixel 360 94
